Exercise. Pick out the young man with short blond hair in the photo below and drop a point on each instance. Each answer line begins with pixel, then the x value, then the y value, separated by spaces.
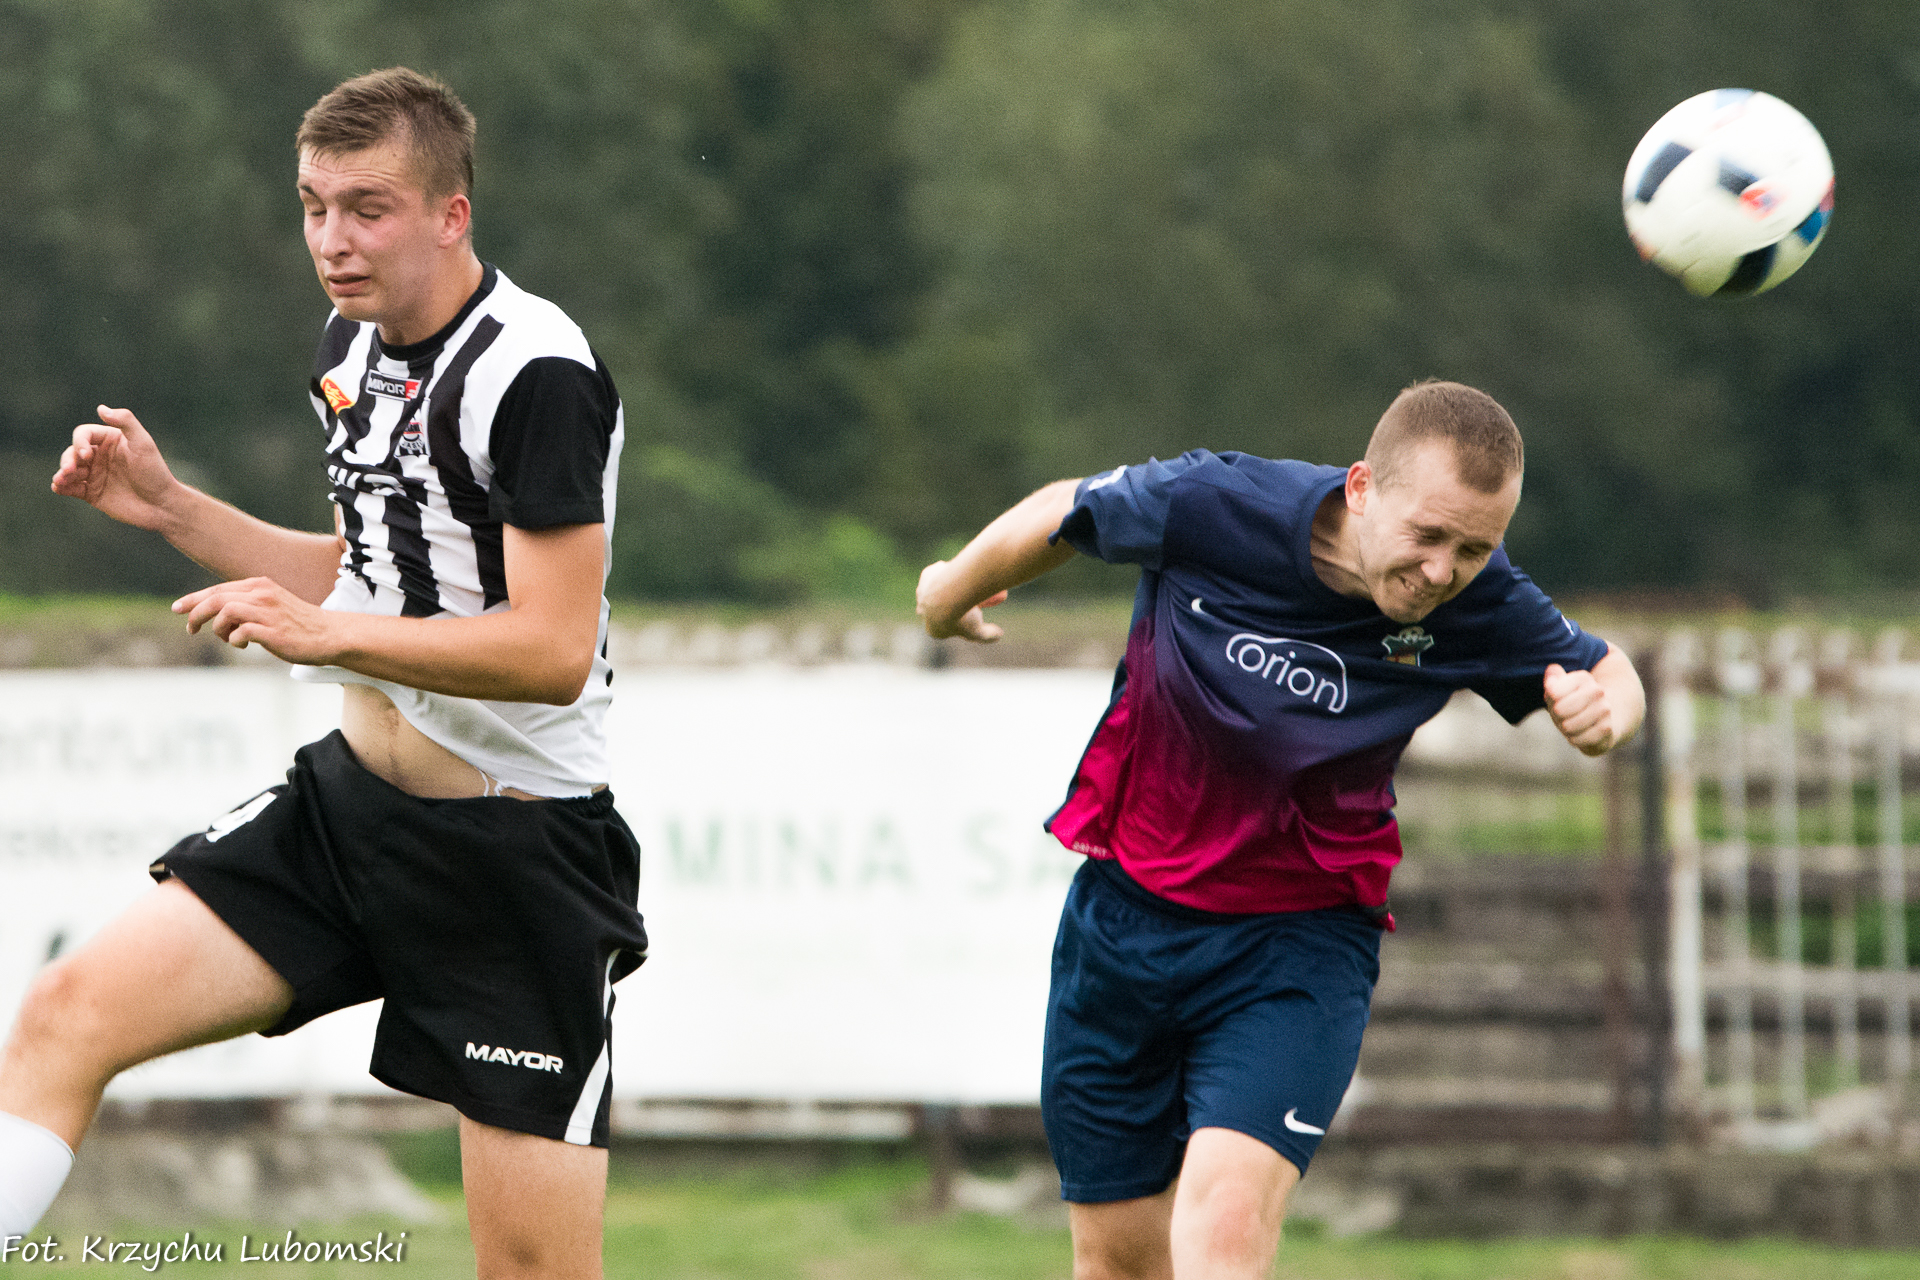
pixel 453 848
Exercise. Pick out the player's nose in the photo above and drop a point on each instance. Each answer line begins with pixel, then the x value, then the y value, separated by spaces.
pixel 330 240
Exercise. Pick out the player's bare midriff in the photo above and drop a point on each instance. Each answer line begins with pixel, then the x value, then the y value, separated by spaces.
pixel 391 749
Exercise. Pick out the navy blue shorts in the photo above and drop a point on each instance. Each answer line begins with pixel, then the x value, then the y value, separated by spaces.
pixel 1163 1019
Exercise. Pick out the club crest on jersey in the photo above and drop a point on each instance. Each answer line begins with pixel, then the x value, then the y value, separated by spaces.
pixel 412 444
pixel 384 384
pixel 1406 645
pixel 1305 670
pixel 337 400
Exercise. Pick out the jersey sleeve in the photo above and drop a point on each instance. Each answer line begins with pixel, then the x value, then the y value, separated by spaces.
pixel 1120 516
pixel 550 439
pixel 1532 634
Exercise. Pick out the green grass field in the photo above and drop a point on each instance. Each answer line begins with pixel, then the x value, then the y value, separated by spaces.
pixel 869 1221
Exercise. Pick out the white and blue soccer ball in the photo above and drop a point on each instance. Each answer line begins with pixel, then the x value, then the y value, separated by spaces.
pixel 1730 192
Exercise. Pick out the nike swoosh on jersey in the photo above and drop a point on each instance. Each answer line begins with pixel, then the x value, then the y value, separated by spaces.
pixel 1300 1126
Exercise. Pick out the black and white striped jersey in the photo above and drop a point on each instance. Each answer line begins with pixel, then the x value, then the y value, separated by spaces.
pixel 506 416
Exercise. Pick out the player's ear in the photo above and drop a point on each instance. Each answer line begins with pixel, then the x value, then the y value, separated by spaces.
pixel 1360 486
pixel 456 219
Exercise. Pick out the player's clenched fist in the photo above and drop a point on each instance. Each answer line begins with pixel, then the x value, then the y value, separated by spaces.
pixel 942 619
pixel 1580 710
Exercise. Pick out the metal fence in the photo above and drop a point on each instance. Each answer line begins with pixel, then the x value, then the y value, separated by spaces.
pixel 1785 761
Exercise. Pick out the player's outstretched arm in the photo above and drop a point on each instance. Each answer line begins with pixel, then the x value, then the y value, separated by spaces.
pixel 1010 551
pixel 539 649
pixel 1596 710
pixel 115 466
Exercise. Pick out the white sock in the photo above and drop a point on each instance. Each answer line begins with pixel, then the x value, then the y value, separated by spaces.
pixel 33 1164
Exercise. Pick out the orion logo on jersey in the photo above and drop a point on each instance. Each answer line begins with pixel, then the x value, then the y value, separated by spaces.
pixel 382 384
pixel 1305 670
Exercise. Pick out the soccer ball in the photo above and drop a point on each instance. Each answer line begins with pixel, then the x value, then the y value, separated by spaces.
pixel 1730 192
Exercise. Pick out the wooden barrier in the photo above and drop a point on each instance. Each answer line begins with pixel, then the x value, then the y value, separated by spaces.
pixel 1785 765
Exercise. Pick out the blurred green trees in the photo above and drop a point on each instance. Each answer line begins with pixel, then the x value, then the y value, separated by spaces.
pixel 869 270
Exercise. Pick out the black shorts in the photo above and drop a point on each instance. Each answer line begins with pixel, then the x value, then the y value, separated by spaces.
pixel 495 929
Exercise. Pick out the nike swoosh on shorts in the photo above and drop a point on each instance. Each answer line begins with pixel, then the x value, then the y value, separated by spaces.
pixel 1300 1126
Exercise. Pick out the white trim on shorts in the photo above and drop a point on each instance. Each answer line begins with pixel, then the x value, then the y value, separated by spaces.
pixel 580 1123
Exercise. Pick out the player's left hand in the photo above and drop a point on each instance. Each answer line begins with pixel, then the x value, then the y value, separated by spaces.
pixel 1580 710
pixel 261 611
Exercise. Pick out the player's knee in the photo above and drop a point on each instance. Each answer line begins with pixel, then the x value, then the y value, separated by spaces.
pixel 510 1256
pixel 1232 1222
pixel 1110 1267
pixel 1122 1260
pixel 512 1262
pixel 60 1012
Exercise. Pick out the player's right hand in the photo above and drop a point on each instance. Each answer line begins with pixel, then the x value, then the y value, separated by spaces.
pixel 1578 703
pixel 944 620
pixel 115 466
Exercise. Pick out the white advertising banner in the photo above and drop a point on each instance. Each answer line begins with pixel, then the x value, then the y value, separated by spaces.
pixel 844 878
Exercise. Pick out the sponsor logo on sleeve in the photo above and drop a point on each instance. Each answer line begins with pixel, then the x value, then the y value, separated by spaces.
pixel 1310 671
pixel 337 400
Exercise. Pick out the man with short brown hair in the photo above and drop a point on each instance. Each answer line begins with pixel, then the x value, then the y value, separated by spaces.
pixel 1218 949
pixel 1487 450
pixel 453 848
pixel 397 104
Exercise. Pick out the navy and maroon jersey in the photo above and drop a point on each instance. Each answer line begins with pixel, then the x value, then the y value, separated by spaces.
pixel 1246 760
